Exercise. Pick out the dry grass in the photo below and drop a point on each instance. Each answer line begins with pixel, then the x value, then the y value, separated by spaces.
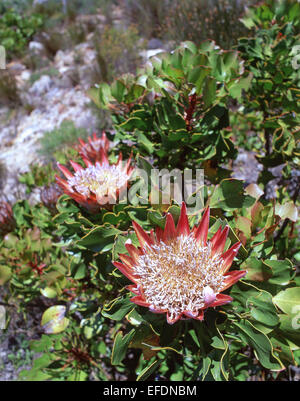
pixel 198 19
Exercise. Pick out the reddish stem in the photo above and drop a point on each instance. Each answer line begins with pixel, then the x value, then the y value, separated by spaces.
pixel 190 111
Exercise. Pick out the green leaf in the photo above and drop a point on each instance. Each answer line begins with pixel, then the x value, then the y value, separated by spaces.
pixel 287 211
pixel 49 292
pixel 217 371
pixel 119 245
pixel 118 308
pixel 197 76
pixel 148 370
pixel 189 45
pixel 243 224
pixel 145 142
pixel 282 271
pixel 260 343
pixel 262 309
pixel 283 348
pixel 120 346
pixel 78 375
pixel 217 343
pixel 41 345
pixel 236 88
pixel 118 90
pixel 254 190
pixel 144 165
pixel 5 274
pixel 204 367
pixel 36 373
pixel 289 327
pixel 288 300
pixel 54 320
pixel 194 336
pixel 78 271
pixel 134 318
pixel 229 195
pixel 157 219
pixel 133 123
pixel 104 94
pixel 209 91
pixel 257 270
pixel 100 239
pixel 93 94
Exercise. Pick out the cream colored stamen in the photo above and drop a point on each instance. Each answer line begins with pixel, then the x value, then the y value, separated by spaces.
pixel 177 276
pixel 102 180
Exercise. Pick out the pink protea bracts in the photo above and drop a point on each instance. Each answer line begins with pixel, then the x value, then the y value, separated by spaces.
pixel 178 271
pixel 91 150
pixel 97 185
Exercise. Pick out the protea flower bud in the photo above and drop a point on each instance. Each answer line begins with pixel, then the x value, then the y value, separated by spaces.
pixel 91 150
pixel 49 196
pixel 178 271
pixel 7 221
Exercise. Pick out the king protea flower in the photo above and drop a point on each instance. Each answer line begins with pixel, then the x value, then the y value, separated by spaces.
pixel 178 271
pixel 92 149
pixel 97 184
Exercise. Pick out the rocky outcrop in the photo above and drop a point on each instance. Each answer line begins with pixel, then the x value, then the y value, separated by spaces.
pixel 46 103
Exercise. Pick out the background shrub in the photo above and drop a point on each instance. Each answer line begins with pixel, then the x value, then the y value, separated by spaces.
pixel 198 19
pixel 16 30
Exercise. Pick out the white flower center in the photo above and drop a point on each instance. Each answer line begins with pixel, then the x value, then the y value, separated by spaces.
pixel 175 276
pixel 102 180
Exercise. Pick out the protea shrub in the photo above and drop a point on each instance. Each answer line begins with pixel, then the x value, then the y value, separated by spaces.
pixel 178 271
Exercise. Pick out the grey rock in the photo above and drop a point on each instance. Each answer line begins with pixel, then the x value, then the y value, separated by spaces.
pixel 16 68
pixel 41 86
pixel 155 44
pixel 37 48
pixel 246 167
